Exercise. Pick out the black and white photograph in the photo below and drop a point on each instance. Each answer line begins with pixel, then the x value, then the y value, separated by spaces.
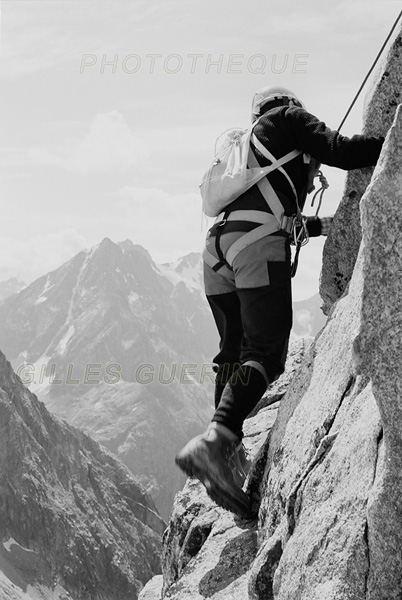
pixel 201 300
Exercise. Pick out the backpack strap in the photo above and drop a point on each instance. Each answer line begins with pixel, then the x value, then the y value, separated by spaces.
pixel 267 191
pixel 271 222
pixel 277 164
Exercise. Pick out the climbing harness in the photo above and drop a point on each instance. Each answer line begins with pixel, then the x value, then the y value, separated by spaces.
pixel 257 224
pixel 225 175
pixel 370 71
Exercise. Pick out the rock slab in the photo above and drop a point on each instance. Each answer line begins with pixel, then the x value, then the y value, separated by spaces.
pixel 380 352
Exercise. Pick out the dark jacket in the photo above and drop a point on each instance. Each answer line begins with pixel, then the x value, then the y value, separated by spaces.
pixel 284 129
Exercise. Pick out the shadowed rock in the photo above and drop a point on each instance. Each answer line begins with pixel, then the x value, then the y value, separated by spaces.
pixel 342 244
pixel 74 524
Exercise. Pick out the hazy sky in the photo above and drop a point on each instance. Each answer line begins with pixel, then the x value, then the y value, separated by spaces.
pixel 110 110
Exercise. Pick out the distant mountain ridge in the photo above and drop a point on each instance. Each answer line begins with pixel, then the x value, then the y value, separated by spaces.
pixel 113 292
pixel 308 318
pixel 118 345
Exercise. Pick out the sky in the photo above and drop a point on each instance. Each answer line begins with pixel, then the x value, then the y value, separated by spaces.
pixel 110 110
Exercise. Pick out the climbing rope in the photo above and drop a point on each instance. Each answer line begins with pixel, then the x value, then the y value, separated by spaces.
pixel 320 191
pixel 370 71
pixel 299 233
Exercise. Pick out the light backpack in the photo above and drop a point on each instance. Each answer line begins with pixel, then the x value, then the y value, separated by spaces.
pixel 228 176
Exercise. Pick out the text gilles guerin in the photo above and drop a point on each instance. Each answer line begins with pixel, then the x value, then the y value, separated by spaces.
pixel 96 373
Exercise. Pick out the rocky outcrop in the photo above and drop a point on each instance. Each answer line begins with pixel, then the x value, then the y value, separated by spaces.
pixel 331 493
pixel 343 242
pixel 379 351
pixel 206 551
pixel 73 522
pixel 153 589
pixel 327 477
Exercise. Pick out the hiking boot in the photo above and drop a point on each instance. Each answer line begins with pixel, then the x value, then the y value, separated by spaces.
pixel 240 464
pixel 206 457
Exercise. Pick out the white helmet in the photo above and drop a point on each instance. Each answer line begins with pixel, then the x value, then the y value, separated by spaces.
pixel 269 94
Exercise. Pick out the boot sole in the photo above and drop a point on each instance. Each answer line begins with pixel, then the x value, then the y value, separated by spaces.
pixel 215 491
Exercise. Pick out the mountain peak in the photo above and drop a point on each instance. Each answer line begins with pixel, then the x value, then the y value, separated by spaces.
pixel 189 260
pixel 106 245
pixel 89 327
pixel 107 242
pixel 129 246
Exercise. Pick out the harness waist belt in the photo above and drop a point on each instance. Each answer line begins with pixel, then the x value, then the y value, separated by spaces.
pixel 254 216
pixel 232 226
pixel 253 233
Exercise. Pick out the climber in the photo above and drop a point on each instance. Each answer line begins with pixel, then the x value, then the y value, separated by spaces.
pixel 248 281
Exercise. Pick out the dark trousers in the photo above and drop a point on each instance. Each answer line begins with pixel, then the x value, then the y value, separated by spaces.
pixel 254 325
pixel 252 307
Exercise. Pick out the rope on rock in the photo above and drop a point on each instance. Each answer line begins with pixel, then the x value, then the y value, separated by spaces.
pixel 370 71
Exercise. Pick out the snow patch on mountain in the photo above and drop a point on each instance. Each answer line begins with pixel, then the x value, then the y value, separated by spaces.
pixel 35 376
pixel 187 270
pixel 11 542
pixel 127 344
pixel 77 287
pixel 62 345
pixel 133 297
pixel 47 286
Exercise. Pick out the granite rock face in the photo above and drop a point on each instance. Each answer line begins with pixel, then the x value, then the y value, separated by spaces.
pixel 343 242
pixel 379 349
pixel 74 524
pixel 327 478
pixel 330 495
pixel 321 465
pixel 207 552
pixel 153 589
